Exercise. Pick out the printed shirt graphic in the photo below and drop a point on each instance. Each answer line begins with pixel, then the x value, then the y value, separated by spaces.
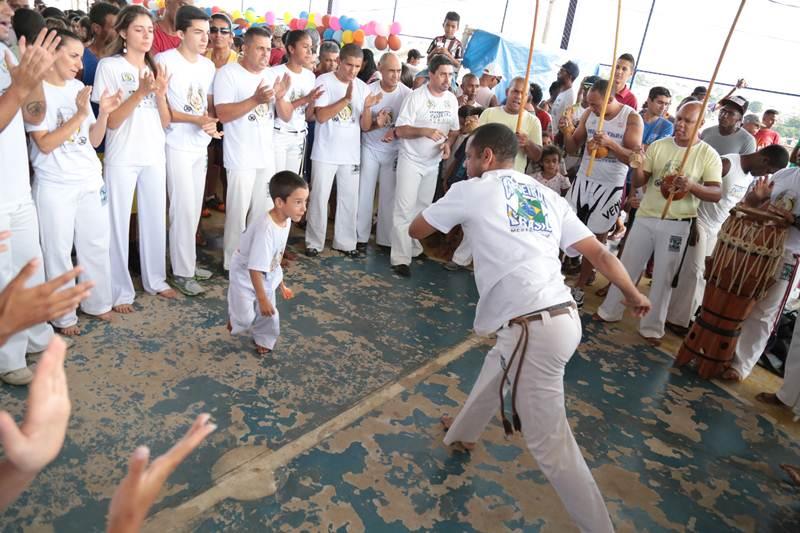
pixel 338 141
pixel 390 103
pixel 422 109
pixel 16 180
pixel 525 206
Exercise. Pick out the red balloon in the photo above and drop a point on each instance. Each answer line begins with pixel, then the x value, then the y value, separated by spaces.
pixel 381 42
pixel 215 9
pixel 394 42
pixel 326 20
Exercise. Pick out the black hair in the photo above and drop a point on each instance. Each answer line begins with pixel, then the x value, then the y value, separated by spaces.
pixel 439 60
pixel 551 149
pixel 629 58
pixel 467 76
pixel 224 18
pixel 238 42
pixel 536 94
pixel 452 15
pixel 777 156
pixel 468 110
pixel 54 12
pixel 27 23
pixel 56 23
pixel 284 183
pixel 257 31
pixel 406 76
pixel 655 92
pixel 554 89
pixel 293 37
pixel 125 18
pixel 65 34
pixel 600 86
pixel 86 24
pixel 99 12
pixel 413 54
pixel 496 137
pixel 186 14
pixel 771 112
pixel 368 66
pixel 351 50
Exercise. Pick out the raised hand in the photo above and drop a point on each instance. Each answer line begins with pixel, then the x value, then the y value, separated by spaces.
pixel 162 81
pixel 110 102
pixel 762 189
pixel 373 99
pixel 209 126
pixel 35 60
pixel 348 95
pixel 314 95
pixel 263 94
pixel 82 101
pixel 384 118
pixel 147 83
pixel 282 86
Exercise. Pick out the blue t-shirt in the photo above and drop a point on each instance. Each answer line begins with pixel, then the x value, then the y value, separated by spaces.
pixel 658 129
pixel 89 68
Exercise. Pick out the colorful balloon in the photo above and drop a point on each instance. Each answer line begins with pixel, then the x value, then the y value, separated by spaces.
pixel 337 36
pixel 394 42
pixel 304 15
pixel 236 14
pixel 215 9
pixel 347 36
pixel 358 37
pixel 381 42
pixel 395 28
pixel 327 35
pixel 287 17
pixel 301 24
pixel 334 23
pixel 269 18
pixel 382 30
pixel 326 20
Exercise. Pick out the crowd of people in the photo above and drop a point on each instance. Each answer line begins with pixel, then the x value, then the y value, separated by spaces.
pixel 126 118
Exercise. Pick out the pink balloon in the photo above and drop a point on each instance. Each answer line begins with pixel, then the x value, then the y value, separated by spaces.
pixel 269 18
pixel 335 26
pixel 382 30
pixel 395 28
pixel 301 24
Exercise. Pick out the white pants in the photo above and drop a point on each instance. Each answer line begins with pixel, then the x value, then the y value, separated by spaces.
pixel 540 404
pixel 76 215
pixel 244 312
pixel 666 239
pixel 688 295
pixel 344 230
pixel 376 168
pixel 416 185
pixel 789 393
pixel 186 182
pixel 463 254
pixel 248 196
pixel 23 245
pixel 288 150
pixel 150 186
pixel 758 326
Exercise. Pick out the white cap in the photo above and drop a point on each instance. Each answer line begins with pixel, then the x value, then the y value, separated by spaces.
pixel 492 70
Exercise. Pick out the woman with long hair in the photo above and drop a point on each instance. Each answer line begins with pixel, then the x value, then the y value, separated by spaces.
pixel 135 154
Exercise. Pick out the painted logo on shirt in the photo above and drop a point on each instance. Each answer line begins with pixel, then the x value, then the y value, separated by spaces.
pixel 195 100
pixel 296 94
pixel 260 112
pixel 345 115
pixel 786 200
pixel 439 113
pixel 525 207
pixel 75 140
pixel 127 77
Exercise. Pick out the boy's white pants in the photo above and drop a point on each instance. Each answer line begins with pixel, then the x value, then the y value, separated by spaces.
pixel 344 229
pixel 416 185
pixel 288 149
pixel 376 168
pixel 150 185
pixel 688 295
pixel 23 245
pixel 248 196
pixel 76 214
pixel 665 239
pixel 789 393
pixel 244 312
pixel 540 404
pixel 463 254
pixel 186 182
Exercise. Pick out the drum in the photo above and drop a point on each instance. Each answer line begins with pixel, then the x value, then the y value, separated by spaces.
pixel 741 269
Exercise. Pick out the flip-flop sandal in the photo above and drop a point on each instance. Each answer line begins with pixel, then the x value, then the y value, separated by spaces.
pixel 769 398
pixel 793 472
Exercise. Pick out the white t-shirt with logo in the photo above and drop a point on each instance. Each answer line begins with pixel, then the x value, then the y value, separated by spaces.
pixel 516 227
pixel 786 194
pixel 261 248
pixel 190 84
pixel 16 181
pixel 247 143
pixel 734 187
pixel 391 102
pixel 564 100
pixel 607 170
pixel 302 84
pixel 75 161
pixel 139 141
pixel 338 141
pixel 424 110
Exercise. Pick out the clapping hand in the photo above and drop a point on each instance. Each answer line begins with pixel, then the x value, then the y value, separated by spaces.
pixel 373 99
pixel 110 102
pixel 35 60
pixel 282 86
pixel 82 101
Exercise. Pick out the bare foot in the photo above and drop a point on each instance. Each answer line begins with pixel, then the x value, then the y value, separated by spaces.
pixel 263 350
pixel 107 317
pixel 169 294
pixel 69 331
pixel 651 341
pixel 732 374
pixel 769 398
pixel 793 472
pixel 123 309
pixel 229 327
pixel 447 421
pixel 603 290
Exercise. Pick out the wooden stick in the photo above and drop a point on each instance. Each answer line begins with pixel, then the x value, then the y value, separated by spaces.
pixel 608 90
pixel 703 108
pixel 528 69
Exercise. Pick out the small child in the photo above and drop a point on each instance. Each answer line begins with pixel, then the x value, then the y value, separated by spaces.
pixel 256 270
pixel 447 44
pixel 551 175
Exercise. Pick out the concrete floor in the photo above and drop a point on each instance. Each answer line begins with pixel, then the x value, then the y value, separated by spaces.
pixel 337 430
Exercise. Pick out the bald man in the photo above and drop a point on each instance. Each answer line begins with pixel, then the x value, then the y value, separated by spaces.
pixel 667 238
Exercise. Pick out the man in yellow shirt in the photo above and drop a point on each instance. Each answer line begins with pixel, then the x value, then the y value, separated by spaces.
pixel 666 238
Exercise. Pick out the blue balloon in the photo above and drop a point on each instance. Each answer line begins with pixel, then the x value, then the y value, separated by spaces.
pixel 343 22
pixel 208 11
pixel 354 24
pixel 304 14
pixel 328 34
pixel 337 36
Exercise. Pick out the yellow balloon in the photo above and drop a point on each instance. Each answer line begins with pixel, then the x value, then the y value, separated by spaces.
pixel 250 16
pixel 347 36
pixel 260 19
pixel 161 4
pixel 311 17
pixel 287 17
pixel 236 14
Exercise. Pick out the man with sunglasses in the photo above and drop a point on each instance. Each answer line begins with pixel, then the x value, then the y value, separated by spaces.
pixel 728 137
pixel 220 39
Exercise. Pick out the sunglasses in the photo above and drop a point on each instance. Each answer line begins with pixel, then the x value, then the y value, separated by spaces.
pixel 223 31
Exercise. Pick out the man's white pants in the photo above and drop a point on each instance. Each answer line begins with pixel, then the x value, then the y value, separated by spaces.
pixel 416 185
pixel 666 239
pixel 540 404
pixel 150 185
pixel 758 326
pixel 789 393
pixel 688 295
pixel 248 197
pixel 288 149
pixel 186 182
pixel 376 168
pixel 23 245
pixel 245 314
pixel 76 215
pixel 344 229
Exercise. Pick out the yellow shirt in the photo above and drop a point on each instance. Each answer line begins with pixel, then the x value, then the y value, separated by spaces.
pixel 663 158
pixel 530 127
pixel 233 57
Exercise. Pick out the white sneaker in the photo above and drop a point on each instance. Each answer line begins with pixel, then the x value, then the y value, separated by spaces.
pixel 201 274
pixel 21 376
pixel 188 286
pixel 577 295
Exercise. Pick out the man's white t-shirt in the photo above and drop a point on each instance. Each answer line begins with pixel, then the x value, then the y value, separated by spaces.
pixel 734 187
pixel 247 143
pixel 338 140
pixel 483 96
pixel 391 102
pixel 786 194
pixel 261 248
pixel 139 141
pixel 422 109
pixel 75 161
pixel 302 84
pixel 190 84
pixel 564 100
pixel 516 227
pixel 16 181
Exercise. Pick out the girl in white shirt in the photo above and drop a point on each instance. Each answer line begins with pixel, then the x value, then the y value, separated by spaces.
pixel 134 158
pixel 68 183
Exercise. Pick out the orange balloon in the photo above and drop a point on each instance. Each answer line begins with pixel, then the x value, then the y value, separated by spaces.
pixel 358 37
pixel 394 42
pixel 381 42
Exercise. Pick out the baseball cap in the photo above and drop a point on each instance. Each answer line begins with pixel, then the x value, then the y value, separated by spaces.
pixel 752 118
pixel 492 70
pixel 572 68
pixel 700 89
pixel 736 101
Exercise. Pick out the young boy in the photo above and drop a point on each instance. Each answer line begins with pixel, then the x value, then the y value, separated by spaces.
pixel 256 265
pixel 550 175
pixel 447 44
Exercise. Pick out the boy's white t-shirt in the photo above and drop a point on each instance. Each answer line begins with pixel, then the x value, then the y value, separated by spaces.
pixel 516 227
pixel 421 109
pixel 190 84
pixel 16 184
pixel 75 161
pixel 261 248
pixel 734 187
pixel 338 141
pixel 247 143
pixel 392 102
pixel 302 84
pixel 139 141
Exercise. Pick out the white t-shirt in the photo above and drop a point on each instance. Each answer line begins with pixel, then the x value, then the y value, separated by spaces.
pixel 261 248
pixel 302 84
pixel 607 170
pixel 189 87
pixel 140 140
pixel 483 96
pixel 564 100
pixel 15 181
pixel 786 193
pixel 734 186
pixel 338 141
pixel 75 161
pixel 392 102
pixel 516 227
pixel 422 109
pixel 248 139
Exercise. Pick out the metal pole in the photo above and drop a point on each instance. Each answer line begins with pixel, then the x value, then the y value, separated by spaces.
pixel 641 46
pixel 573 5
pixel 330 7
pixel 503 24
pixel 394 13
